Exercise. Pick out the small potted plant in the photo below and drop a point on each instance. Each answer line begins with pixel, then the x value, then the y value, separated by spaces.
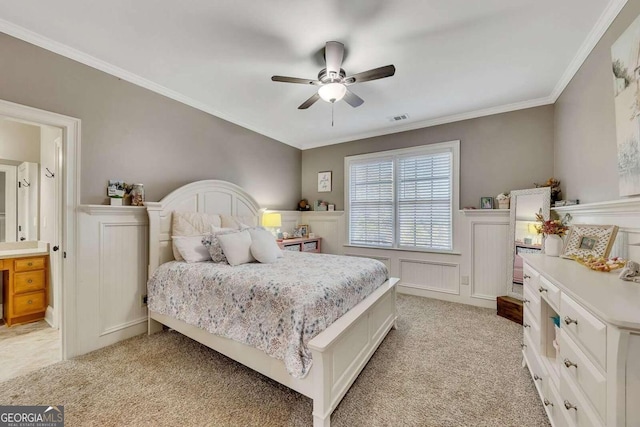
pixel 503 200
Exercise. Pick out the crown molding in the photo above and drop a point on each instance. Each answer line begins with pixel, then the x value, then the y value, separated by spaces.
pixel 606 18
pixel 434 122
pixel 93 62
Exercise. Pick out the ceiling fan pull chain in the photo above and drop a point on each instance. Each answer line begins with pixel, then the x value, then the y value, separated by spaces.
pixel 332 104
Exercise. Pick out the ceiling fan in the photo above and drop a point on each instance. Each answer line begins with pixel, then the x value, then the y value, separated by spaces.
pixel 332 80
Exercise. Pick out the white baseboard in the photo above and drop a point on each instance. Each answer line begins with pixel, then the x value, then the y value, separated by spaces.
pixel 50 317
pixel 446 297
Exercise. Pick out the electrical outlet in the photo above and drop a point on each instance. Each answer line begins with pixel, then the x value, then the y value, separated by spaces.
pixel 143 301
pixel 464 280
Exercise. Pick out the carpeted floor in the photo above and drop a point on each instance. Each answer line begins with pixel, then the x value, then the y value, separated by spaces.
pixel 446 365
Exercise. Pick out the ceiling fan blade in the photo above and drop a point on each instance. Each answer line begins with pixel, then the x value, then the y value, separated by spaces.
pixel 294 80
pixel 309 102
pixel 353 99
pixel 375 74
pixel 333 54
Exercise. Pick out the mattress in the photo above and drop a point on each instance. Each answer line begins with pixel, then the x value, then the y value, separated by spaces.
pixel 277 308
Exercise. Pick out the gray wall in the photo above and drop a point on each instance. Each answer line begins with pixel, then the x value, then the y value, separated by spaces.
pixel 585 133
pixel 498 153
pixel 136 135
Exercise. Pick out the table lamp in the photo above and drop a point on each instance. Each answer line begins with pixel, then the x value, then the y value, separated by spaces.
pixel 273 222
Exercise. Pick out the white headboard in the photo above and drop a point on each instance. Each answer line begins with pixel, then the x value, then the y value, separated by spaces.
pixel 208 196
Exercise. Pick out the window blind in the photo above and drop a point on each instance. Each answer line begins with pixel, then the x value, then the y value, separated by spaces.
pixel 371 205
pixel 424 201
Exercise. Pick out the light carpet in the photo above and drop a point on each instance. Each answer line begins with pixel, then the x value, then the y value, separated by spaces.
pixel 447 364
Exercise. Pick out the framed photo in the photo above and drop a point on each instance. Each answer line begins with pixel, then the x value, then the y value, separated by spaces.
pixel 301 230
pixel 324 182
pixel 584 240
pixel 486 202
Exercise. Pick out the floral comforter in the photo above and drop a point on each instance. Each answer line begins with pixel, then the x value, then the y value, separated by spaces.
pixel 277 308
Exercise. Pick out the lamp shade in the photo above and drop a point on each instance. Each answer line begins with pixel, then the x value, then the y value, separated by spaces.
pixel 332 92
pixel 271 219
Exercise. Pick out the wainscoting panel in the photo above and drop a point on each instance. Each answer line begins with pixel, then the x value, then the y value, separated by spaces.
pixel 328 225
pixel 432 276
pixel 385 260
pixel 489 245
pixel 112 266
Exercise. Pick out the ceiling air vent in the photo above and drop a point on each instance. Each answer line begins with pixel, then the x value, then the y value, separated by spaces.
pixel 399 117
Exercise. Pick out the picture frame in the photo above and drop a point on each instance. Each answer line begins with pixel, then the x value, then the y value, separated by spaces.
pixel 486 202
pixel 302 231
pixel 589 240
pixel 324 182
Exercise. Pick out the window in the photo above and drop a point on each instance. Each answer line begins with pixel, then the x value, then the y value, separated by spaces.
pixel 403 199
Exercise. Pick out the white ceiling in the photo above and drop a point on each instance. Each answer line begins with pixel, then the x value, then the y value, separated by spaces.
pixel 455 59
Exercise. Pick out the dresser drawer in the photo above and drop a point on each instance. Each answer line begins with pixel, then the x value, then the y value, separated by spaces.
pixel 529 277
pixel 28 281
pixel 554 406
pixel 531 329
pixel 588 331
pixel 538 373
pixel 550 292
pixel 26 264
pixel 29 303
pixel 577 366
pixel 531 301
pixel 576 410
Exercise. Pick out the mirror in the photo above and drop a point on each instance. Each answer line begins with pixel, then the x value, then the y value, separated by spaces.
pixel 19 201
pixel 523 237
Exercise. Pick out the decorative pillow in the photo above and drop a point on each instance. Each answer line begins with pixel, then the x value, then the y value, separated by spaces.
pixel 236 247
pixel 212 244
pixel 238 222
pixel 263 246
pixel 191 249
pixel 191 224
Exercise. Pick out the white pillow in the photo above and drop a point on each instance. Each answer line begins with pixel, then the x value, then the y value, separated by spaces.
pixel 236 247
pixel 191 224
pixel 191 248
pixel 263 246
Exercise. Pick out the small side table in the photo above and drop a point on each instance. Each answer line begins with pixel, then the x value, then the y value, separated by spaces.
pixel 303 244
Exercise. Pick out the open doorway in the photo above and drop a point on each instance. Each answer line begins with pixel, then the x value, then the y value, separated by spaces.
pixel 30 230
pixel 66 145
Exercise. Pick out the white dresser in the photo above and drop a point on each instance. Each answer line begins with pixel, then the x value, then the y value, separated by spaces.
pixel 587 372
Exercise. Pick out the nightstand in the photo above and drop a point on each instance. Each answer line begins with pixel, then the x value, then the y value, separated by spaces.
pixel 312 245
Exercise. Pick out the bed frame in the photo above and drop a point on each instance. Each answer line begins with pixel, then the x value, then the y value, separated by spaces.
pixel 340 352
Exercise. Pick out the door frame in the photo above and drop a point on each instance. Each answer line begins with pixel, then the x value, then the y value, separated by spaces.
pixel 66 291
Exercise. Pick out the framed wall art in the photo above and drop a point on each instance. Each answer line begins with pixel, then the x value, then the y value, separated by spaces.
pixel 486 202
pixel 324 182
pixel 589 240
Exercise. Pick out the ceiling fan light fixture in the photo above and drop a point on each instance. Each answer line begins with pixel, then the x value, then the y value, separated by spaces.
pixel 332 92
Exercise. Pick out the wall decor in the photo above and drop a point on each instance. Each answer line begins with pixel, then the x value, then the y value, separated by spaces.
pixel 486 202
pixel 324 182
pixel 589 240
pixel 302 230
pixel 626 80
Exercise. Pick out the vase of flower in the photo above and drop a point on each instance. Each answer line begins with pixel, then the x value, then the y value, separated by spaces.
pixel 503 200
pixel 553 245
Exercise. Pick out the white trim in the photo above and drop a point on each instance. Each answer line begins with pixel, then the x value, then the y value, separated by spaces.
pixel 10 190
pixel 65 293
pixel 602 24
pixel 485 212
pixel 435 122
pixel 440 147
pixel 611 207
pixel 93 62
pixel 140 211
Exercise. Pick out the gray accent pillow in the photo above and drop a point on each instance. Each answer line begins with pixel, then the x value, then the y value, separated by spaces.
pixel 211 242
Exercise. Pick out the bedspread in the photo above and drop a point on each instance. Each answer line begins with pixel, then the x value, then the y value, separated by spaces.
pixel 277 308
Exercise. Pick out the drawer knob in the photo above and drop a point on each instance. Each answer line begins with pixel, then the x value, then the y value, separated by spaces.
pixel 526 325
pixel 526 301
pixel 569 320
pixel 526 276
pixel 568 363
pixel 541 289
pixel 30 264
pixel 568 405
pixel 523 345
pixel 536 377
pixel 30 301
pixel 30 281
pixel 547 402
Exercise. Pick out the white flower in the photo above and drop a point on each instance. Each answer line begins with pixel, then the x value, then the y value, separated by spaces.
pixel 502 196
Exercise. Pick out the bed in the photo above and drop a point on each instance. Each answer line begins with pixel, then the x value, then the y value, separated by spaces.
pixel 338 353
